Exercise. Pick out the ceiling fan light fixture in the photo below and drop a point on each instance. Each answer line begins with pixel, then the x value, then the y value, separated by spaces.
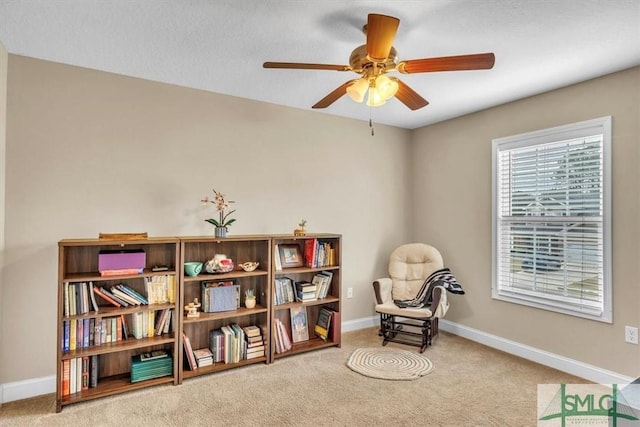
pixel 358 89
pixel 375 98
pixel 387 87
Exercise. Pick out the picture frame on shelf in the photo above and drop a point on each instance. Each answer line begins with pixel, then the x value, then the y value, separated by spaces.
pixel 299 324
pixel 290 255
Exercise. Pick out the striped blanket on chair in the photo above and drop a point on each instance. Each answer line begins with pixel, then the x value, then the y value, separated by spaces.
pixel 442 277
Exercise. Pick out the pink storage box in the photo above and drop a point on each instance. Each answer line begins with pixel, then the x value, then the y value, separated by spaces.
pixel 122 259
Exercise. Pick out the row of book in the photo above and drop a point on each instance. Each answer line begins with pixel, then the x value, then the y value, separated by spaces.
pixel 161 289
pixel 318 254
pixel 80 297
pixel 78 373
pixel 326 326
pixel 87 332
pixel 229 344
pixel 285 290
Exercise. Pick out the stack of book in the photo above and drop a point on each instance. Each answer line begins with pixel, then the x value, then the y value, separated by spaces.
pixel 322 280
pixel 203 356
pixel 306 291
pixel 283 342
pixel 150 365
pixel 254 342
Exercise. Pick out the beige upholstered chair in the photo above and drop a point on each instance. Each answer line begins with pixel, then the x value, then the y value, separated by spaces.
pixel 409 266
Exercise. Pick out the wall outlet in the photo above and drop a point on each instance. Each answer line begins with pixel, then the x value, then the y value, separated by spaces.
pixel 350 295
pixel 631 334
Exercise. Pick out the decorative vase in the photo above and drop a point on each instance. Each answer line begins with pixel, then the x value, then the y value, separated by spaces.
pixel 221 231
pixel 250 302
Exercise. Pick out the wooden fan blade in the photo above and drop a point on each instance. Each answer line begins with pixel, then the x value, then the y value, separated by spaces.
pixel 333 96
pixel 480 61
pixel 409 97
pixel 381 31
pixel 301 66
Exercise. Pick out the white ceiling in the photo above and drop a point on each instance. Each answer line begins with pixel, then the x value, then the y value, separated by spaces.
pixel 220 45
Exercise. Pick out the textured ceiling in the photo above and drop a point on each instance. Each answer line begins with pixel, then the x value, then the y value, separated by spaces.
pixel 220 45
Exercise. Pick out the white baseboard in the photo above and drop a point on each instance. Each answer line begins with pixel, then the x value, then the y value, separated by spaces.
pixel 37 386
pixel 561 363
pixel 27 388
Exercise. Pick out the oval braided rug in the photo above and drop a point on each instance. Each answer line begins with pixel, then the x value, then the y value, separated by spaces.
pixel 389 364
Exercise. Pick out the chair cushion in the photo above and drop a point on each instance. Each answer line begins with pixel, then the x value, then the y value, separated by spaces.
pixel 409 265
pixel 391 308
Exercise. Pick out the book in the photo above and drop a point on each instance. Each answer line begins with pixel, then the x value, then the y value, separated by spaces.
pixel 151 355
pixel 94 303
pixel 299 325
pixel 276 259
pixel 108 293
pixel 203 356
pixel 85 373
pixel 65 377
pixel 323 324
pixel 93 371
pixel 105 297
pixel 188 351
pixel 121 272
pixel 133 293
pixel 252 331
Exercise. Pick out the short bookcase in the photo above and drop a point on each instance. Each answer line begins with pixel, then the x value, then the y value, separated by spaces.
pixel 306 272
pixel 77 264
pixel 240 249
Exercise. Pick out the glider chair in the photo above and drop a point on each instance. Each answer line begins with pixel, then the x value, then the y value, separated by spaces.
pixel 413 297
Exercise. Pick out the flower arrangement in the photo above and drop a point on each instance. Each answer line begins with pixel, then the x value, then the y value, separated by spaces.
pixel 221 204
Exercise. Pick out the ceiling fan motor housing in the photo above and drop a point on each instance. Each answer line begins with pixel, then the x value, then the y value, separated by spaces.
pixel 362 64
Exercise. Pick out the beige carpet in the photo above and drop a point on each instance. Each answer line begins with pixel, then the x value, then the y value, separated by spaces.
pixel 470 385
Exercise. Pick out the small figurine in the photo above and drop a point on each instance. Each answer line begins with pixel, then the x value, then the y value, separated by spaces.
pixel 192 308
pixel 300 231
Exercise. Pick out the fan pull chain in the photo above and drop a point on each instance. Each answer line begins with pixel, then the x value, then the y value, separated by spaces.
pixel 371 122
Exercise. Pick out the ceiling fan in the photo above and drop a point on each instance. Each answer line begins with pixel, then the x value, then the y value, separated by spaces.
pixel 378 57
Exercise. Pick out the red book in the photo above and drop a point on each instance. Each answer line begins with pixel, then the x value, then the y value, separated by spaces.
pixel 66 374
pixel 191 359
pixel 310 249
pixel 99 292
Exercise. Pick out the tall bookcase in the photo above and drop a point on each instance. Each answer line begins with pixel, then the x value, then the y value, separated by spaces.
pixel 111 359
pixel 241 249
pixel 305 273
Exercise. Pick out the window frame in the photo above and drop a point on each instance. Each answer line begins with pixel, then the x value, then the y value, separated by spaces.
pixel 556 134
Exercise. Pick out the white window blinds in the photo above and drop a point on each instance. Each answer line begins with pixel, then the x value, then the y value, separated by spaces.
pixel 551 219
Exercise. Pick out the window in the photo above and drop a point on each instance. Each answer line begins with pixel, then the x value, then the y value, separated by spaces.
pixel 552 219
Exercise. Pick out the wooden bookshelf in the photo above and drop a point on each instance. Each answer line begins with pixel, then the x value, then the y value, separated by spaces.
pixel 306 272
pixel 239 249
pixel 78 263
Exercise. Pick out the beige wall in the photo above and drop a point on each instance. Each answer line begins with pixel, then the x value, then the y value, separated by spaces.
pixel 90 151
pixel 452 188
pixel 4 58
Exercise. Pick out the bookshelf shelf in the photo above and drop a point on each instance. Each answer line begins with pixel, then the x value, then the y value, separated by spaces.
pixel 115 384
pixel 92 344
pixel 124 345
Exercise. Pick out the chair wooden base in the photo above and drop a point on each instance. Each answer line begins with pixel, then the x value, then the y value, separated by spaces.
pixel 418 332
